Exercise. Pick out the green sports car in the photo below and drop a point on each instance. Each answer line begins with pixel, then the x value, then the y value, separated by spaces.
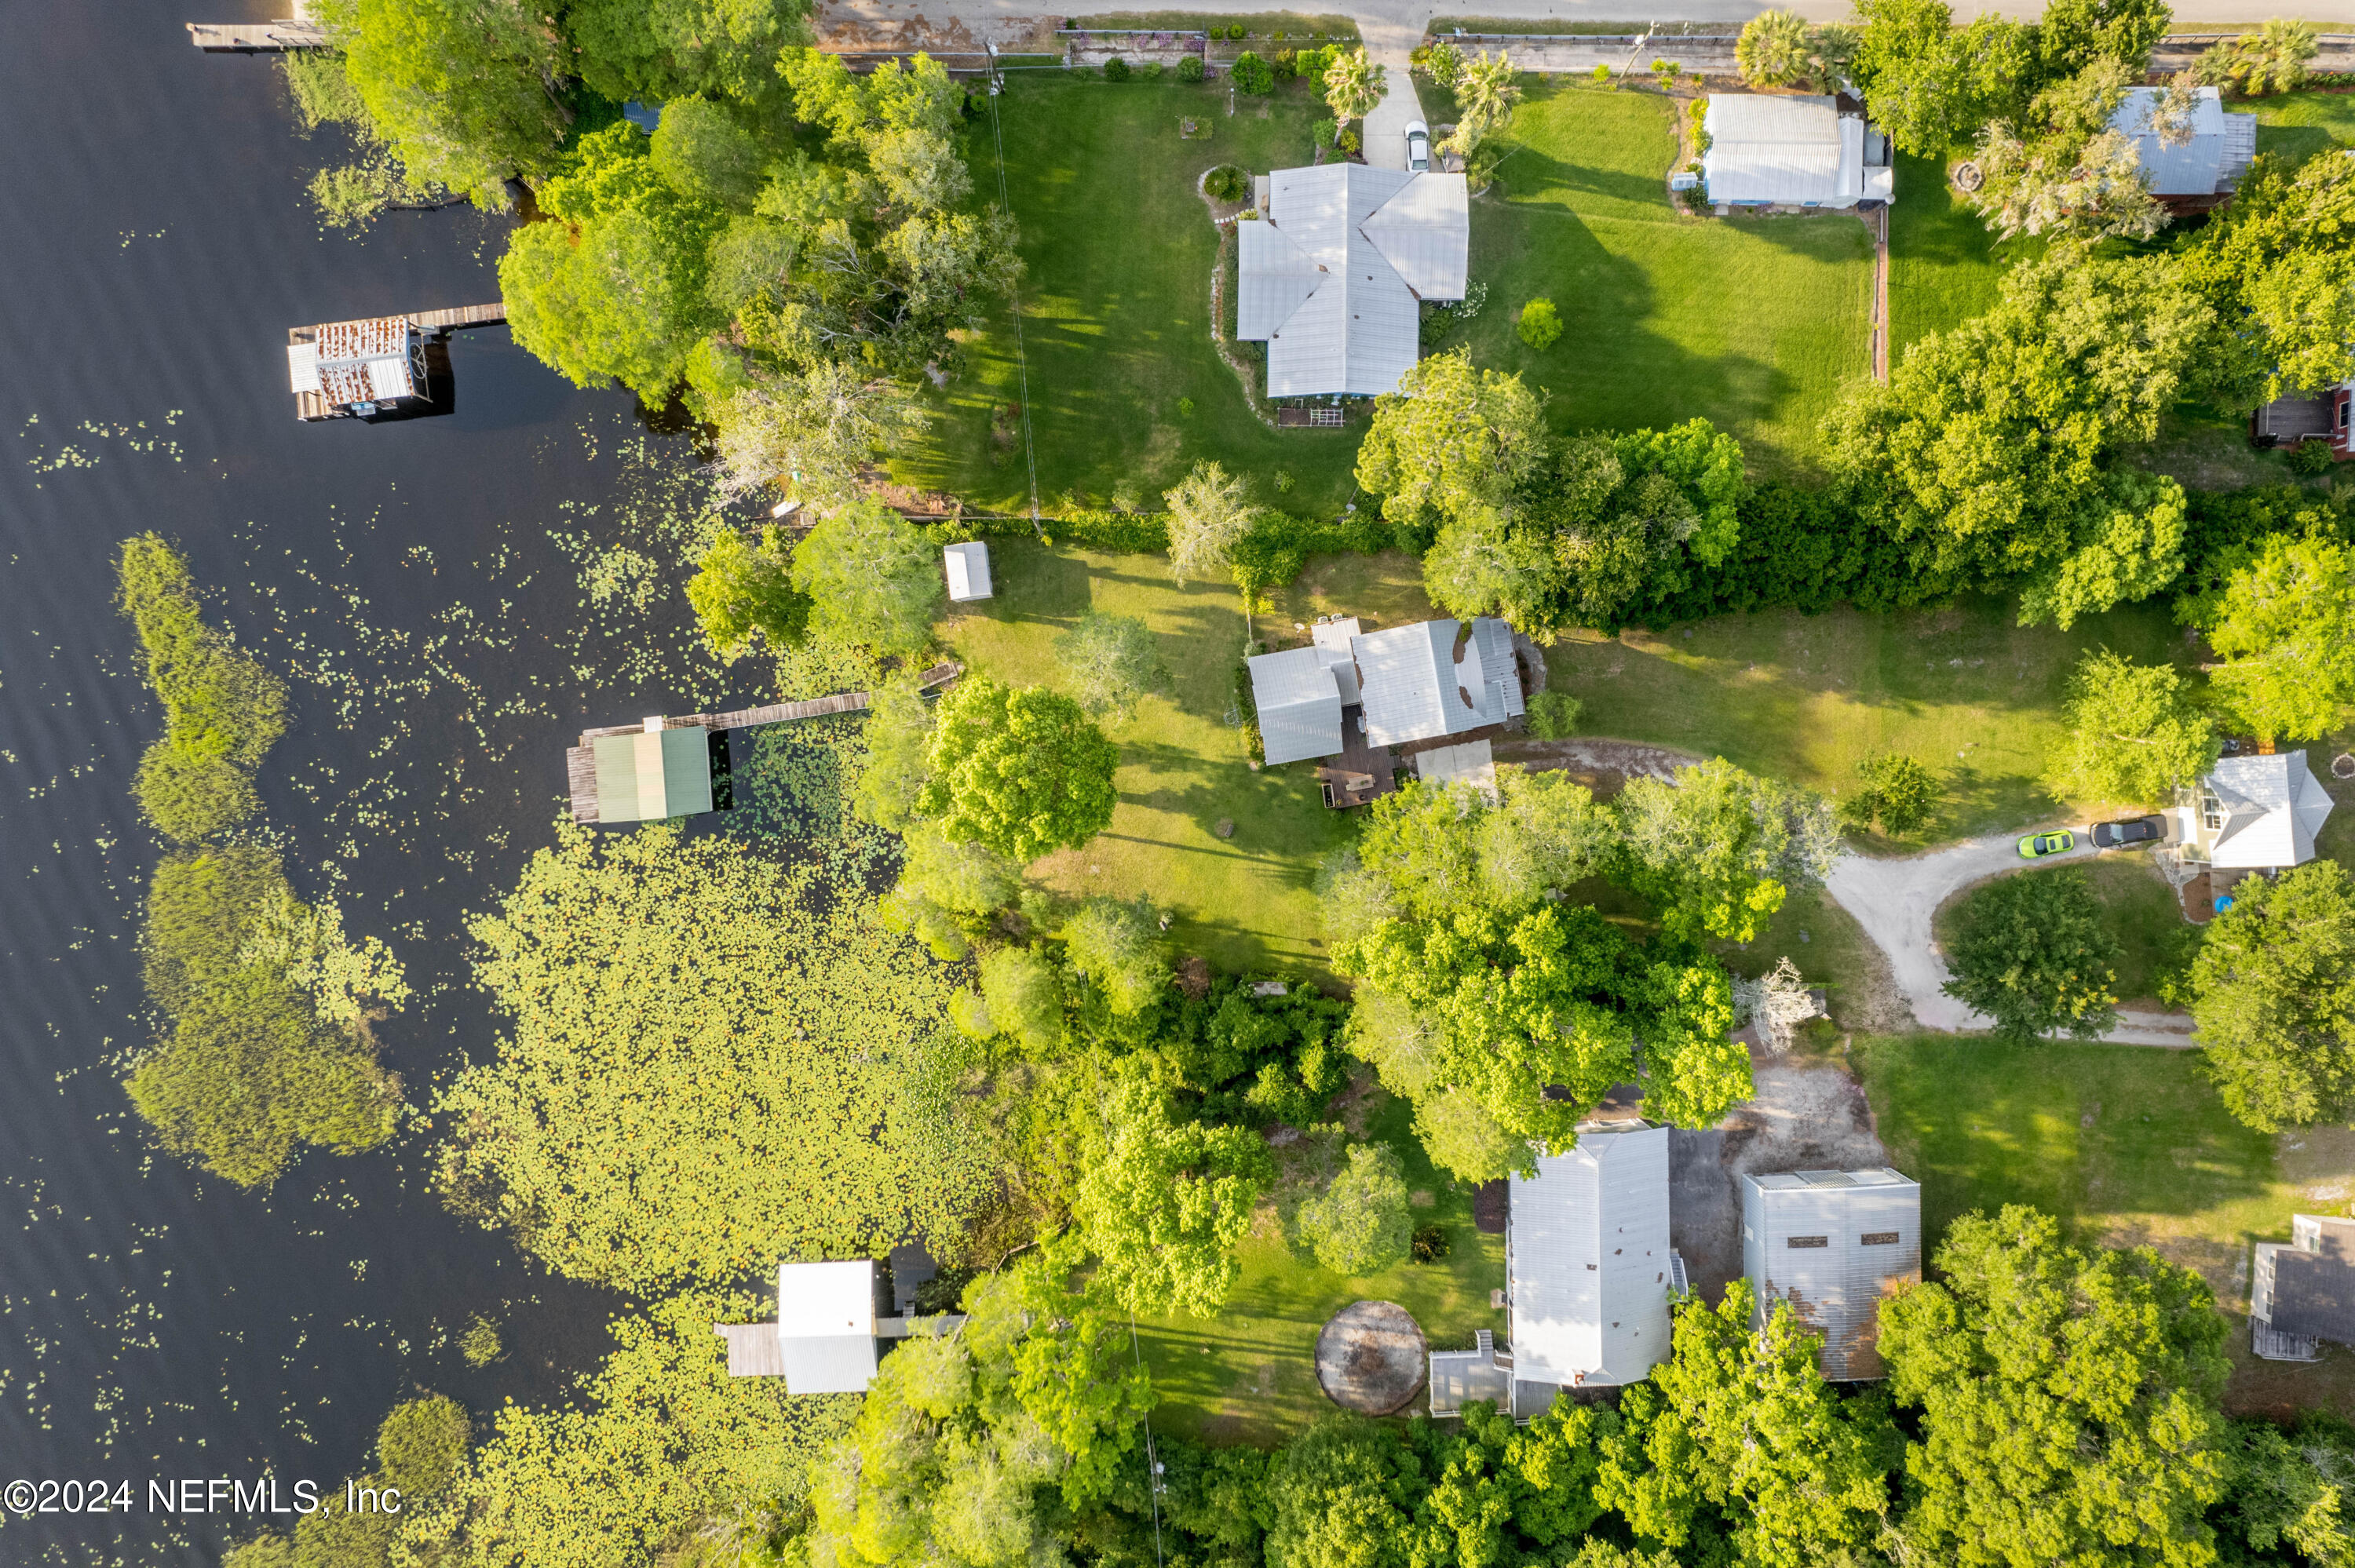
pixel 2060 841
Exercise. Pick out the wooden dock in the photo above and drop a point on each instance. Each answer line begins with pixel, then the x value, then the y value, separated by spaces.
pixel 458 316
pixel 580 761
pixel 257 37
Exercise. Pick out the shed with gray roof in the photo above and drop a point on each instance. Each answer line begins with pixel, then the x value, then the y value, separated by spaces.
pixel 1782 149
pixel 1331 275
pixel 1835 1245
pixel 1409 682
pixel 2304 1292
pixel 2208 161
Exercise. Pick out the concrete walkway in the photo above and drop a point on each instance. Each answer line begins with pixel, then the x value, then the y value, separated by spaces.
pixel 1893 900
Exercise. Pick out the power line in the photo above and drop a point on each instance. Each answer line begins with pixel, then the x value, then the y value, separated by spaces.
pixel 1152 1460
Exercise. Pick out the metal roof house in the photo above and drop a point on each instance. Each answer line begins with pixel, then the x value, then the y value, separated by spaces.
pixel 1834 1244
pixel 2208 164
pixel 356 369
pixel 2304 1292
pixel 1331 274
pixel 1780 151
pixel 651 774
pixel 968 570
pixel 1420 682
pixel 1588 1268
pixel 2253 813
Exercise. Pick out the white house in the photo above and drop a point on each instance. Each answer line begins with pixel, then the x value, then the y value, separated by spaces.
pixel 2253 813
pixel 1417 681
pixel 1835 1245
pixel 1779 151
pixel 2208 162
pixel 968 569
pixel 828 1332
pixel 1331 274
pixel 1588 1268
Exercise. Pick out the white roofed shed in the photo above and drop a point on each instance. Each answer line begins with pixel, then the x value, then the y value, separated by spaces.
pixel 1782 150
pixel 1587 1264
pixel 1835 1245
pixel 968 570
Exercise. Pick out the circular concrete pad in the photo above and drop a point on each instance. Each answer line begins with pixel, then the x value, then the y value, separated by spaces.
pixel 1371 1357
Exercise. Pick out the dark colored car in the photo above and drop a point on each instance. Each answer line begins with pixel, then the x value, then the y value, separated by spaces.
pixel 2121 835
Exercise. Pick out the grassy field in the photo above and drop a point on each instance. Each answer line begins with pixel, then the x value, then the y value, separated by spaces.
pixel 1751 323
pixel 1944 266
pixel 1249 1376
pixel 2127 1145
pixel 1118 250
pixel 2303 123
pixel 1242 902
pixel 1806 697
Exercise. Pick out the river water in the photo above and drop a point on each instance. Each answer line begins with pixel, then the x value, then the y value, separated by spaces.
pixel 449 598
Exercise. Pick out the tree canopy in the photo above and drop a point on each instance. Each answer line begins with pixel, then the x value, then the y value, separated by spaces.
pixel 1020 769
pixel 1361 1223
pixel 2033 952
pixel 2066 1399
pixel 1165 1206
pixel 2285 626
pixel 1111 662
pixel 2277 266
pixel 2132 733
pixel 870 578
pixel 2272 989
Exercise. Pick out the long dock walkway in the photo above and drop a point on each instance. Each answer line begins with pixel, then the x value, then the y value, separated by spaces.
pixel 256 38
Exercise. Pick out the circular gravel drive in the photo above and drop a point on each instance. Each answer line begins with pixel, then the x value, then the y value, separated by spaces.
pixel 1371 1357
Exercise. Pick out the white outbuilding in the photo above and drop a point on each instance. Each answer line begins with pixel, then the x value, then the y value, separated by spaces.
pixel 2253 813
pixel 1835 1245
pixel 1772 150
pixel 968 569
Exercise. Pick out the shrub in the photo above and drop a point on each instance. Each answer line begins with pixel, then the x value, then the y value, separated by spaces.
pixel 1350 141
pixel 1540 325
pixel 1239 32
pixel 480 1344
pixel 1226 183
pixel 1311 63
pixel 2309 458
pixel 1191 69
pixel 1554 715
pixel 1899 793
pixel 1445 64
pixel 1185 408
pixel 1286 63
pixel 1253 74
pixel 1115 69
pixel 1431 1243
pixel 1323 130
pixel 1153 69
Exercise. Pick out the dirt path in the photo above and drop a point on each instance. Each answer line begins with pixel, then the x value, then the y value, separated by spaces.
pixel 1592 757
pixel 1893 900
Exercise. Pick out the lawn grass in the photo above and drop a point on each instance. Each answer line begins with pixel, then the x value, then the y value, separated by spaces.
pixel 2303 123
pixel 1753 324
pixel 1805 698
pixel 1945 265
pixel 1118 250
pixel 1249 1376
pixel 1244 903
pixel 2126 1145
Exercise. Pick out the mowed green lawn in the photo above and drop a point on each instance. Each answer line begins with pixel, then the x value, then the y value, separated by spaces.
pixel 1961 688
pixel 1244 902
pixel 2303 123
pixel 1945 265
pixel 1118 250
pixel 2127 1145
pixel 1753 324
pixel 1249 1376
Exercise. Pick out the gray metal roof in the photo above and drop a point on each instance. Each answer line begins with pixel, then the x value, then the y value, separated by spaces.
pixel 1498 668
pixel 843 1363
pixel 1472 763
pixel 1299 705
pixel 1416 689
pixel 1587 1261
pixel 1793 149
pixel 1330 275
pixel 2273 808
pixel 1834 1244
pixel 2217 154
pixel 2314 1280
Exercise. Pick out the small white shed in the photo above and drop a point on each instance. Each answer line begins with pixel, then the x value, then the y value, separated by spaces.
pixel 968 566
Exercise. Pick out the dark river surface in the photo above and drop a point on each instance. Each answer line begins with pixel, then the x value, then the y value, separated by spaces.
pixel 449 599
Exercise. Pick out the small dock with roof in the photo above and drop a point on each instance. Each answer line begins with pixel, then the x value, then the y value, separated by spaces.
pixel 375 367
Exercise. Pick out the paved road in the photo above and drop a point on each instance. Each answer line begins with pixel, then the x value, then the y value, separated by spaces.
pixel 1383 21
pixel 1894 899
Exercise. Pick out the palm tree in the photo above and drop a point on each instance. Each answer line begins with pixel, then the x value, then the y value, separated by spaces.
pixel 1208 516
pixel 2271 59
pixel 1484 95
pixel 1353 85
pixel 1774 49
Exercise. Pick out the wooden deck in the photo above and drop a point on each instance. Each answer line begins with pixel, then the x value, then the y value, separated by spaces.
pixel 256 38
pixel 1361 772
pixel 580 761
pixel 460 316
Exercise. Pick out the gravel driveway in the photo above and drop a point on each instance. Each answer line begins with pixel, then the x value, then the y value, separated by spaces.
pixel 1894 899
